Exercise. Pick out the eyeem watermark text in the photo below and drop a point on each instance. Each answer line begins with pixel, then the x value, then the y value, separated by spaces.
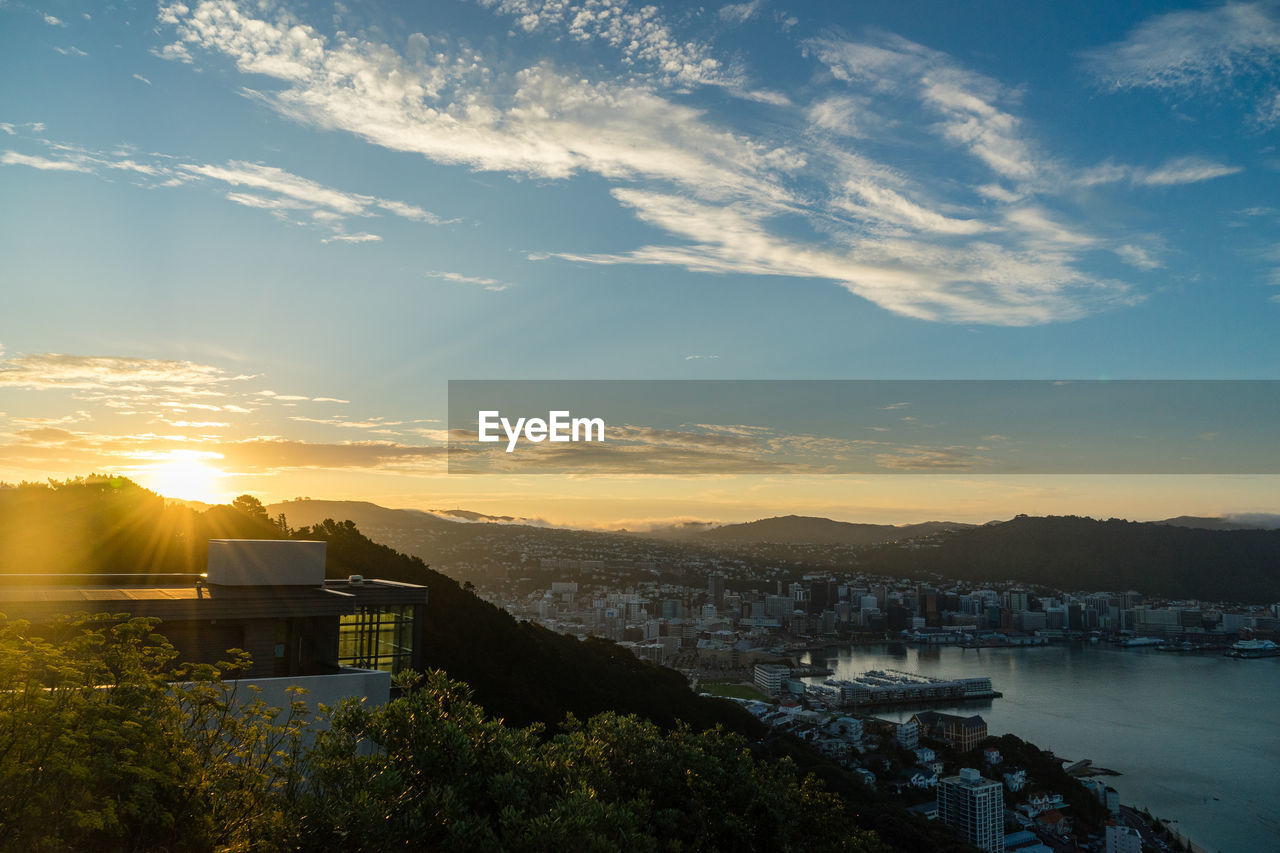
pixel 558 426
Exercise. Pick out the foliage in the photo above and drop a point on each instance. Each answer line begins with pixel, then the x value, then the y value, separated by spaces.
pixel 1045 773
pixel 100 751
pixel 99 524
pixel 451 778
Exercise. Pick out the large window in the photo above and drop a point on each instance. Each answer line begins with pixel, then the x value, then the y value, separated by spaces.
pixel 377 638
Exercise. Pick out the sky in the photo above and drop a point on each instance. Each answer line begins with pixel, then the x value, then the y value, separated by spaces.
pixel 244 246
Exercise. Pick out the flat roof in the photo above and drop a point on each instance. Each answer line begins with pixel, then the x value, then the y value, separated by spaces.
pixel 191 601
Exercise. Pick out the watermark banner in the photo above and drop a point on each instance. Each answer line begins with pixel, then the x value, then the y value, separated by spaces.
pixel 684 427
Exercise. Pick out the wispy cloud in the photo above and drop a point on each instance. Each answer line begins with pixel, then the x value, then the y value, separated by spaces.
pixel 70 51
pixel 640 33
pixel 740 13
pixel 56 370
pixel 479 281
pixel 1180 170
pixel 141 79
pixel 13 158
pixel 257 185
pixel 54 22
pixel 1197 50
pixel 997 241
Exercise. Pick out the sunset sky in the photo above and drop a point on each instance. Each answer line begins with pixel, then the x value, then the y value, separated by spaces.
pixel 244 246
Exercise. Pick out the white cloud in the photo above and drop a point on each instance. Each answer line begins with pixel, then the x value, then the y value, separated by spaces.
pixel 1137 257
pixel 740 13
pixel 141 79
pixel 806 204
pixel 1180 170
pixel 57 370
pixel 1198 50
pixel 13 158
pixel 640 34
pixel 269 187
pixel 1192 48
pixel 54 22
pixel 487 283
pixel 70 51
pixel 361 237
pixel 965 102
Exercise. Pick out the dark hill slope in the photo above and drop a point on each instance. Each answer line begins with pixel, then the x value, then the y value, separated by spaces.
pixel 1074 553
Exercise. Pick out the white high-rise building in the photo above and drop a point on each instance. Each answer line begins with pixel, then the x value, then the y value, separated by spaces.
pixel 975 807
pixel 1123 839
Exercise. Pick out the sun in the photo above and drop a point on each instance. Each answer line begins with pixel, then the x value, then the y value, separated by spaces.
pixel 185 475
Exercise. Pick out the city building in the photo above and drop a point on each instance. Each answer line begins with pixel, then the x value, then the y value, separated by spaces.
pixel 960 733
pixel 769 677
pixel 1123 839
pixel 975 807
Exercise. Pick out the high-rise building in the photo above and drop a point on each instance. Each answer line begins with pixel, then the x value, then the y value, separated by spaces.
pixel 1123 839
pixel 975 807
pixel 715 590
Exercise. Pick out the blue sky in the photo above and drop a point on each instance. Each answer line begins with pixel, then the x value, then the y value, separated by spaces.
pixel 256 239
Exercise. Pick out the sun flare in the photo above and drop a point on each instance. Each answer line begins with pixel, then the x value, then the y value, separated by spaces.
pixel 187 476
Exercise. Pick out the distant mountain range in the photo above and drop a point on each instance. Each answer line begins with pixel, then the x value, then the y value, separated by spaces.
pixel 823 531
pixel 1233 558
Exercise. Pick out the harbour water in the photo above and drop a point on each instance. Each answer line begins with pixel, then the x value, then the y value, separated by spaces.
pixel 1196 737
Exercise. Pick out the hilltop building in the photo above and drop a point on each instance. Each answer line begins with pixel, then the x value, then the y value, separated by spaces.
pixel 335 638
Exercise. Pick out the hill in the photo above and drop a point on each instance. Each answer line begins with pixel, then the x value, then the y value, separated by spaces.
pixel 1073 553
pixel 823 531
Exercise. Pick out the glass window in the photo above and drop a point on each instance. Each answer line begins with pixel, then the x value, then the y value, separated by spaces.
pixel 377 638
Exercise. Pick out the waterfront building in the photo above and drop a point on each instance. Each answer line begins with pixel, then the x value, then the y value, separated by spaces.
pixel 1123 839
pixel 769 677
pixel 960 733
pixel 975 807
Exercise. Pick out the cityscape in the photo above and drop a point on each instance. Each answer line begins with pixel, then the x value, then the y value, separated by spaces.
pixel 766 650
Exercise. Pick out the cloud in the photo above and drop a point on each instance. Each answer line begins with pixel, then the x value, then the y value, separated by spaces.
pixel 1192 48
pixel 361 237
pixel 999 248
pixel 740 13
pixel 54 22
pixel 58 371
pixel 288 190
pixel 1137 257
pixel 70 51
pixel 487 283
pixel 141 79
pixel 640 34
pixel 13 158
pixel 1177 171
pixel 1199 50
pixel 261 186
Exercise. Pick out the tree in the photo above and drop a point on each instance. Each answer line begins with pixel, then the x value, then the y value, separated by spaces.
pixel 100 750
pixel 448 777
pixel 251 507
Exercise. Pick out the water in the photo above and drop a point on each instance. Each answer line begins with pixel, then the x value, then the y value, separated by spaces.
pixel 1195 737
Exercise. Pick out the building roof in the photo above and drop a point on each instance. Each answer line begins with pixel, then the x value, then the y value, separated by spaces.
pixel 37 598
